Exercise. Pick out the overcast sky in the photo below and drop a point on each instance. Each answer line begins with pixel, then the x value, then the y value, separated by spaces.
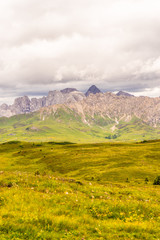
pixel 54 44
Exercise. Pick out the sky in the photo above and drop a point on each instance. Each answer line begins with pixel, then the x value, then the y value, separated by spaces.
pixel 50 45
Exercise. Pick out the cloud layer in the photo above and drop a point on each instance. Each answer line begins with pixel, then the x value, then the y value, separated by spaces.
pixel 57 44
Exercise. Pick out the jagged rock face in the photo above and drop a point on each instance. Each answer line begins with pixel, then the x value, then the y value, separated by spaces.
pixel 93 89
pixel 122 107
pixel 54 97
pixel 57 97
pixel 5 110
pixel 21 105
pixel 121 93
pixel 74 97
pixel 36 104
pixel 25 105
pixel 114 107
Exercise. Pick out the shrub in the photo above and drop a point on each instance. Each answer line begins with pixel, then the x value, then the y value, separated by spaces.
pixel 37 173
pixel 146 180
pixel 156 181
pixel 10 184
pixel 127 180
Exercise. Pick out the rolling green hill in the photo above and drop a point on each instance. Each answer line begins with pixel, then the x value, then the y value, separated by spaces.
pixel 66 125
pixel 79 191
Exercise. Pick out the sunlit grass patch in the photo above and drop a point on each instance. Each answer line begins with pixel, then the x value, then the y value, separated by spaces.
pixel 79 191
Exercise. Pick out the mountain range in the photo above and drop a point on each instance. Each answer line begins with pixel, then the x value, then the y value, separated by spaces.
pixel 72 115
pixel 25 105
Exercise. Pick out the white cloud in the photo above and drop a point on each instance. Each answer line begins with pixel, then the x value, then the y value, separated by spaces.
pixel 56 44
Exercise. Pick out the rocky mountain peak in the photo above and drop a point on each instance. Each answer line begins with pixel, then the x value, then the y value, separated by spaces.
pixel 121 93
pixel 21 105
pixel 68 90
pixel 93 89
pixel 107 104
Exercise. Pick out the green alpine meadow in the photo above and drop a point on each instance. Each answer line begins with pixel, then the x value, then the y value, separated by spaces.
pixel 85 169
pixel 67 125
pixel 51 190
pixel 79 120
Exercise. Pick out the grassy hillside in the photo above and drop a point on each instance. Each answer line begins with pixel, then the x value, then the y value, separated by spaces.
pixel 79 191
pixel 66 125
pixel 60 127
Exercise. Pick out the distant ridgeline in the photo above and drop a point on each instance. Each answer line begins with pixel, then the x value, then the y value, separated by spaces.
pixel 121 106
pixel 93 115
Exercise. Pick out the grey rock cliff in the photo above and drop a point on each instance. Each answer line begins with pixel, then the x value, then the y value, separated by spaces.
pixel 21 105
pixel 36 104
pixel 120 107
pixel 25 105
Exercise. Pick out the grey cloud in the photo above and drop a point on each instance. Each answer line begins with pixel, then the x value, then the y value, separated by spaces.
pixel 52 45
